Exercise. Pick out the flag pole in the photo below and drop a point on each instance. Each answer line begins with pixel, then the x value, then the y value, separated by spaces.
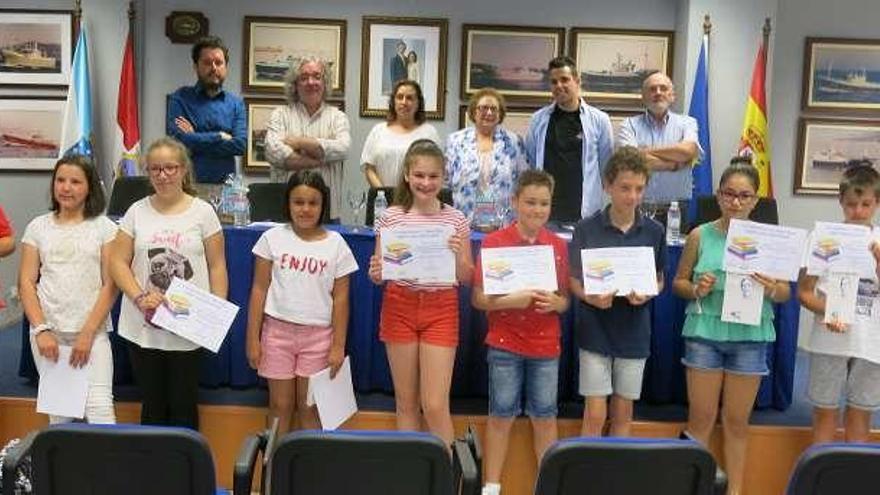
pixel 77 17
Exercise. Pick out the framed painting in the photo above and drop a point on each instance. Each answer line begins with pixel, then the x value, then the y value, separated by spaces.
pixel 841 75
pixel 36 48
pixel 516 120
pixel 30 132
pixel 273 44
pixel 395 48
pixel 511 59
pixel 612 63
pixel 826 148
pixel 258 112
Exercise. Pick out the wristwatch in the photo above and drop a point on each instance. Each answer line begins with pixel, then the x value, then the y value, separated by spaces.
pixel 42 327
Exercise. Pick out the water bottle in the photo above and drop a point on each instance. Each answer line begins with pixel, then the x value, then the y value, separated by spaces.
pixel 241 213
pixel 379 205
pixel 224 212
pixel 673 225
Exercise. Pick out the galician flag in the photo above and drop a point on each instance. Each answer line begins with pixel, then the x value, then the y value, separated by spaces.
pixel 699 110
pixel 128 134
pixel 76 130
pixel 755 138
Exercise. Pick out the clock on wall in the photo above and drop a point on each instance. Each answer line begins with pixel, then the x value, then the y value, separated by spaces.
pixel 185 27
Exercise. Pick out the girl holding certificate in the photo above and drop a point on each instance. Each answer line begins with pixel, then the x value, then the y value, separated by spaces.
pixel 65 285
pixel 724 360
pixel 419 320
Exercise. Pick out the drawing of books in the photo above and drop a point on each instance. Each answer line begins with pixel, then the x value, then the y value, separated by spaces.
pixel 827 249
pixel 397 253
pixel 743 247
pixel 498 270
pixel 178 304
pixel 600 270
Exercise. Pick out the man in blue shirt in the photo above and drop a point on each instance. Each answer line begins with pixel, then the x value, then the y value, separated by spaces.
pixel 209 120
pixel 572 141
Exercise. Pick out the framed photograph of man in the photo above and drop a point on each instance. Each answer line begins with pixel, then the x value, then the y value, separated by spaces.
pixel 30 132
pixel 841 75
pixel 827 147
pixel 36 47
pixel 273 44
pixel 613 63
pixel 511 59
pixel 395 48
pixel 516 120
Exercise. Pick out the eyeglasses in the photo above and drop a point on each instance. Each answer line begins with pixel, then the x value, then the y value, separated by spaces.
pixel 311 77
pixel 155 169
pixel 729 196
pixel 488 108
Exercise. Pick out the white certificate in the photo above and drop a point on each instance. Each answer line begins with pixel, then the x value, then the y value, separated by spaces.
pixel 418 253
pixel 195 314
pixel 841 248
pixel 841 291
pixel 509 269
pixel 334 397
pixel 63 388
pixel 743 298
pixel 771 250
pixel 622 269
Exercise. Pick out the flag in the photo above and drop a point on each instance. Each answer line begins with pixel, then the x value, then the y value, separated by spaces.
pixel 128 132
pixel 699 110
pixel 755 137
pixel 76 130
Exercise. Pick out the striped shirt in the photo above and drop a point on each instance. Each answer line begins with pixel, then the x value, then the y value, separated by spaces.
pixel 395 216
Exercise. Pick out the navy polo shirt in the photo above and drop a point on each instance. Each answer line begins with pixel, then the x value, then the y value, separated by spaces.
pixel 623 330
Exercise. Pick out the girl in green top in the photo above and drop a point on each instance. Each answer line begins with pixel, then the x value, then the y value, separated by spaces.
pixel 723 358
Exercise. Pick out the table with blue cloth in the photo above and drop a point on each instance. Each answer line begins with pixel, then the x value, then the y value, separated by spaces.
pixel 664 375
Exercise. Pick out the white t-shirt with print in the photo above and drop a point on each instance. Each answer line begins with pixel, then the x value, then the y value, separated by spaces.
pixel 303 274
pixel 165 246
pixel 385 149
pixel 70 268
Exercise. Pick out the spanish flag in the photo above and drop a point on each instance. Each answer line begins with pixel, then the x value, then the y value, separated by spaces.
pixel 755 138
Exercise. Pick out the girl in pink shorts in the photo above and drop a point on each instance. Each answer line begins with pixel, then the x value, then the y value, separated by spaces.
pixel 298 313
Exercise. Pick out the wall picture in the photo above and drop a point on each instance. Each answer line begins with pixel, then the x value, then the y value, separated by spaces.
pixel 841 75
pixel 35 47
pixel 30 132
pixel 828 147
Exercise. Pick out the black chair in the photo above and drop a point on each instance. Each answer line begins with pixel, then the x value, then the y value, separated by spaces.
pixel 836 468
pixel 127 190
pixel 765 211
pixel 76 459
pixel 358 463
pixel 267 201
pixel 445 197
pixel 472 440
pixel 617 466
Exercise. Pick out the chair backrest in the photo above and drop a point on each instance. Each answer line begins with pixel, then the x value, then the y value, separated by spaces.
pixel 612 466
pixel 127 190
pixel 361 463
pixel 267 201
pixel 130 459
pixel 836 468
pixel 445 198
pixel 765 211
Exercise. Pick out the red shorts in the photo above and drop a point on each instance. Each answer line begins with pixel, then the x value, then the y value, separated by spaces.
pixel 419 316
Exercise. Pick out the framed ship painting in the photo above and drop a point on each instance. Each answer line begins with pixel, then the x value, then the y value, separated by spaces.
pixel 827 147
pixel 35 48
pixel 841 75
pixel 30 132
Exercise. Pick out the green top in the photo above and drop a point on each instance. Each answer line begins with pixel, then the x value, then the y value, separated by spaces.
pixel 708 324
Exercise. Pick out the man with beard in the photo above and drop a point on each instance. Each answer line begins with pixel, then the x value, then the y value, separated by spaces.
pixel 209 120
pixel 669 143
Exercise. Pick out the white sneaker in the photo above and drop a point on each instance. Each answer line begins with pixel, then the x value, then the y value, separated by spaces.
pixel 491 489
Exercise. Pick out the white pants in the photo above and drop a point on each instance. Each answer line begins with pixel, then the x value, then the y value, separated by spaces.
pixel 99 401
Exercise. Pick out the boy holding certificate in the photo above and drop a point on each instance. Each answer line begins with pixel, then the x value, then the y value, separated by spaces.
pixel 614 330
pixel 845 358
pixel 523 336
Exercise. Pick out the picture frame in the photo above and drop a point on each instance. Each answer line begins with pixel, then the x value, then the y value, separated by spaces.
pixel 382 61
pixel 258 111
pixel 841 75
pixel 516 120
pixel 511 59
pixel 186 26
pixel 272 44
pixel 612 63
pixel 30 132
pixel 36 48
pixel 827 147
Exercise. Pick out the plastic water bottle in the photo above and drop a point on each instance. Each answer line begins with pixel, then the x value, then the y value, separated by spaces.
pixel 241 211
pixel 379 205
pixel 673 225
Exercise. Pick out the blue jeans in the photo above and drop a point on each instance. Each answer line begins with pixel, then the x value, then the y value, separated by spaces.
pixel 744 358
pixel 508 372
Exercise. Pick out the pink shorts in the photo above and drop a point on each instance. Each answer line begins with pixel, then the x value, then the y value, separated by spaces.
pixel 289 350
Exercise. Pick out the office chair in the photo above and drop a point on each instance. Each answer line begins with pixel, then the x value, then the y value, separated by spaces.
pixel 836 468
pixel 267 201
pixel 127 190
pixel 765 211
pixel 358 463
pixel 445 198
pixel 76 458
pixel 623 466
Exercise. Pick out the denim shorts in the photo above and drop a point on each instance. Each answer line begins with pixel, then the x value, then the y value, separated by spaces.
pixel 832 376
pixel 508 372
pixel 743 358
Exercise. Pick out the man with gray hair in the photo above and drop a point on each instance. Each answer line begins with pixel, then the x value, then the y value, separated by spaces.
pixel 308 133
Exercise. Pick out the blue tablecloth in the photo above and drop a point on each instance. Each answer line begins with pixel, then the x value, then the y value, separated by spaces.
pixel 664 375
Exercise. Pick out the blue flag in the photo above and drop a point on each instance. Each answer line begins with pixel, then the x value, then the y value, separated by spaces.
pixel 699 109
pixel 77 127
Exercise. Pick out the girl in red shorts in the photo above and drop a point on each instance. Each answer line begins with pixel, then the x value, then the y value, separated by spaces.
pixel 419 321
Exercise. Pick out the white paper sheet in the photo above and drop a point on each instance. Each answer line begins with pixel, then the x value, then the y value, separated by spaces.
pixel 840 298
pixel 624 269
pixel 771 250
pixel 418 253
pixel 334 398
pixel 509 269
pixel 195 314
pixel 841 248
pixel 743 298
pixel 63 388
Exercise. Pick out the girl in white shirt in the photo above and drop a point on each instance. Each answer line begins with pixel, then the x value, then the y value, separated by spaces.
pixel 298 311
